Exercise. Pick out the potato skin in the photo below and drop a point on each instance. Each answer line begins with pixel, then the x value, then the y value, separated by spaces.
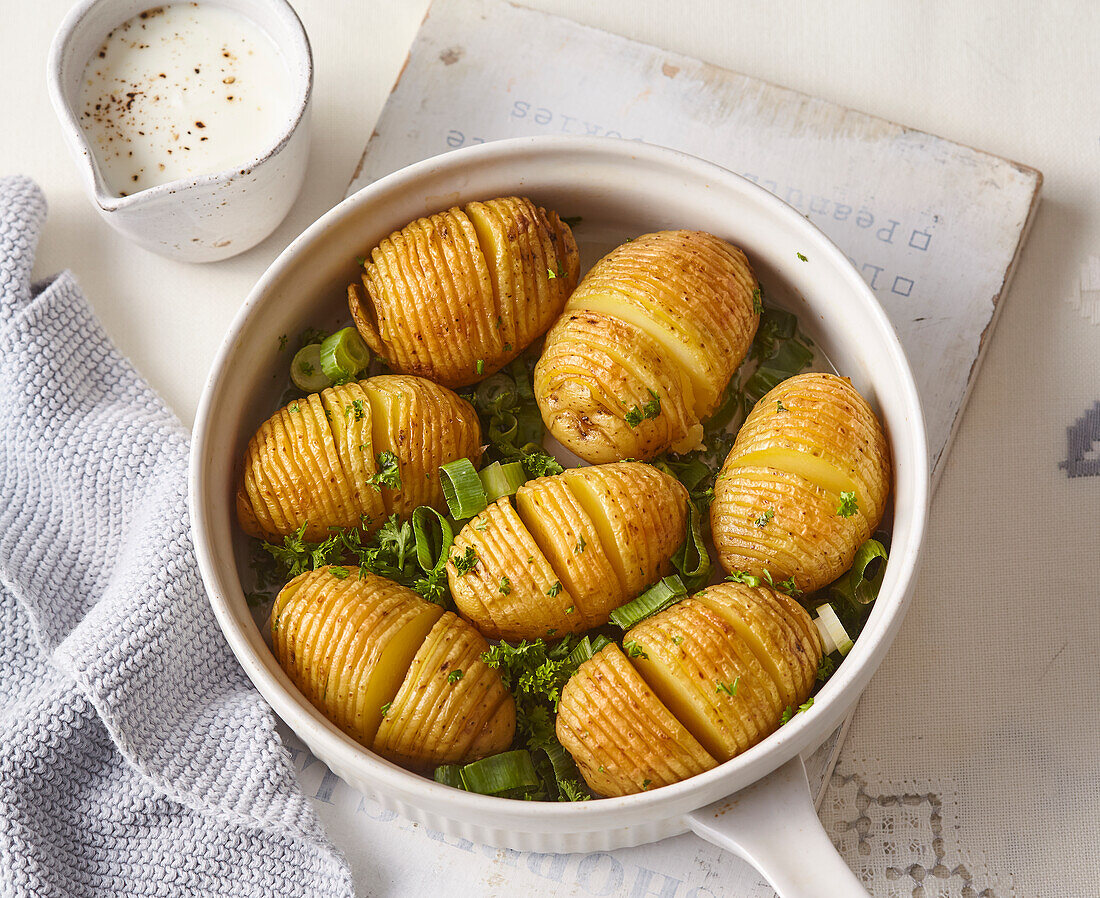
pixel 312 461
pixel 466 286
pixel 580 544
pixel 623 739
pixel 778 497
pixel 452 708
pixel 346 642
pixel 668 318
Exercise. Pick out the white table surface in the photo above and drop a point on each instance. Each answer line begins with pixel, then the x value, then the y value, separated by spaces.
pixel 1011 534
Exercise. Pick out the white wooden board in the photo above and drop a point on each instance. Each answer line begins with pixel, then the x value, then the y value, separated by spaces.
pixel 934 227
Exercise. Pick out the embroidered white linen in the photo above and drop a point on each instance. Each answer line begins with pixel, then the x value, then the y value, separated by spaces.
pixel 135 757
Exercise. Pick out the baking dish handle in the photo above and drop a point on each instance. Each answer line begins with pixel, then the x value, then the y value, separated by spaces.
pixel 773 825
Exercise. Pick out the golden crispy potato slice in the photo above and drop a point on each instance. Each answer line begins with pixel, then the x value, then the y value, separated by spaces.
pixel 452 707
pixel 640 514
pixel 457 295
pixel 762 622
pixel 508 589
pixel 347 642
pixel 419 422
pixel 623 739
pixel 600 382
pixel 688 300
pixel 572 545
pixel 708 677
pixel 804 485
pixel 314 461
pixel 581 544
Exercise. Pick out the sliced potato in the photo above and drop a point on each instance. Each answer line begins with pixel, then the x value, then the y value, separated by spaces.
pixel 707 676
pixel 313 461
pixel 581 544
pixel 622 737
pixel 452 707
pixel 346 642
pixel 648 342
pixel 804 485
pixel 780 634
pixel 457 295
pixel 510 591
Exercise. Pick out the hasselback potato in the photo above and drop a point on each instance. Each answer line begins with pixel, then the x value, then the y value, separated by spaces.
pixel 457 295
pixel 573 548
pixel 646 346
pixel 804 485
pixel 316 461
pixel 389 668
pixel 701 682
pixel 622 737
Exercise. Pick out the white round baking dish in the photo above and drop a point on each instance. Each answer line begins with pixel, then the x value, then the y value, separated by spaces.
pixel 620 188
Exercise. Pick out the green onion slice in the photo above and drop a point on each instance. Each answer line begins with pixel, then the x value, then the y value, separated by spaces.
pixel 306 371
pixel 585 649
pixel 562 762
pixel 511 770
pixel 502 480
pixel 431 553
pixel 692 559
pixel 496 393
pixel 661 595
pixel 449 775
pixel 503 429
pixel 462 489
pixel 862 581
pixel 344 355
pixel 529 424
pixel 832 631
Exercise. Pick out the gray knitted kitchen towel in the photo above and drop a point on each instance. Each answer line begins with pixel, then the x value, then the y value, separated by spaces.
pixel 135 757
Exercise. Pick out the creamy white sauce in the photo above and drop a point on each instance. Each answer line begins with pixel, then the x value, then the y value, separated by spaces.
pixel 182 90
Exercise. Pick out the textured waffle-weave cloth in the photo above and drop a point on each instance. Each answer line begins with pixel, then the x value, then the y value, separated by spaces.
pixel 135 757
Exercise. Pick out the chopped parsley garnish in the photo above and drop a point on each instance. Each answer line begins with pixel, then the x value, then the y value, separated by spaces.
pixel 648 411
pixel 729 688
pixel 465 562
pixel 676 640
pixel 788 713
pixel 535 673
pixel 633 650
pixel 849 505
pixel 305 367
pixel 757 301
pixel 780 407
pixel 763 520
pixel 550 273
pixel 340 573
pixel 802 257
pixel 454 676
pixel 554 589
pixel 579 547
pixel 294 407
pixel 388 473
pixel 646 783
pixel 479 366
pixel 386 708
pixel 355 410
pixel 744 577
pixel 283 340
pixel 570 609
pixel 825 668
pixel 360 260
pixel 505 586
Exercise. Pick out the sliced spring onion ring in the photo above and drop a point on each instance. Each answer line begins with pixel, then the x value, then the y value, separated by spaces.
pixel 449 775
pixel 857 585
pixel 503 429
pixel 306 371
pixel 344 355
pixel 502 479
pixel 431 554
pixel 562 762
pixel 462 489
pixel 586 648
pixel 692 559
pixel 832 631
pixel 495 393
pixel 506 772
pixel 661 595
